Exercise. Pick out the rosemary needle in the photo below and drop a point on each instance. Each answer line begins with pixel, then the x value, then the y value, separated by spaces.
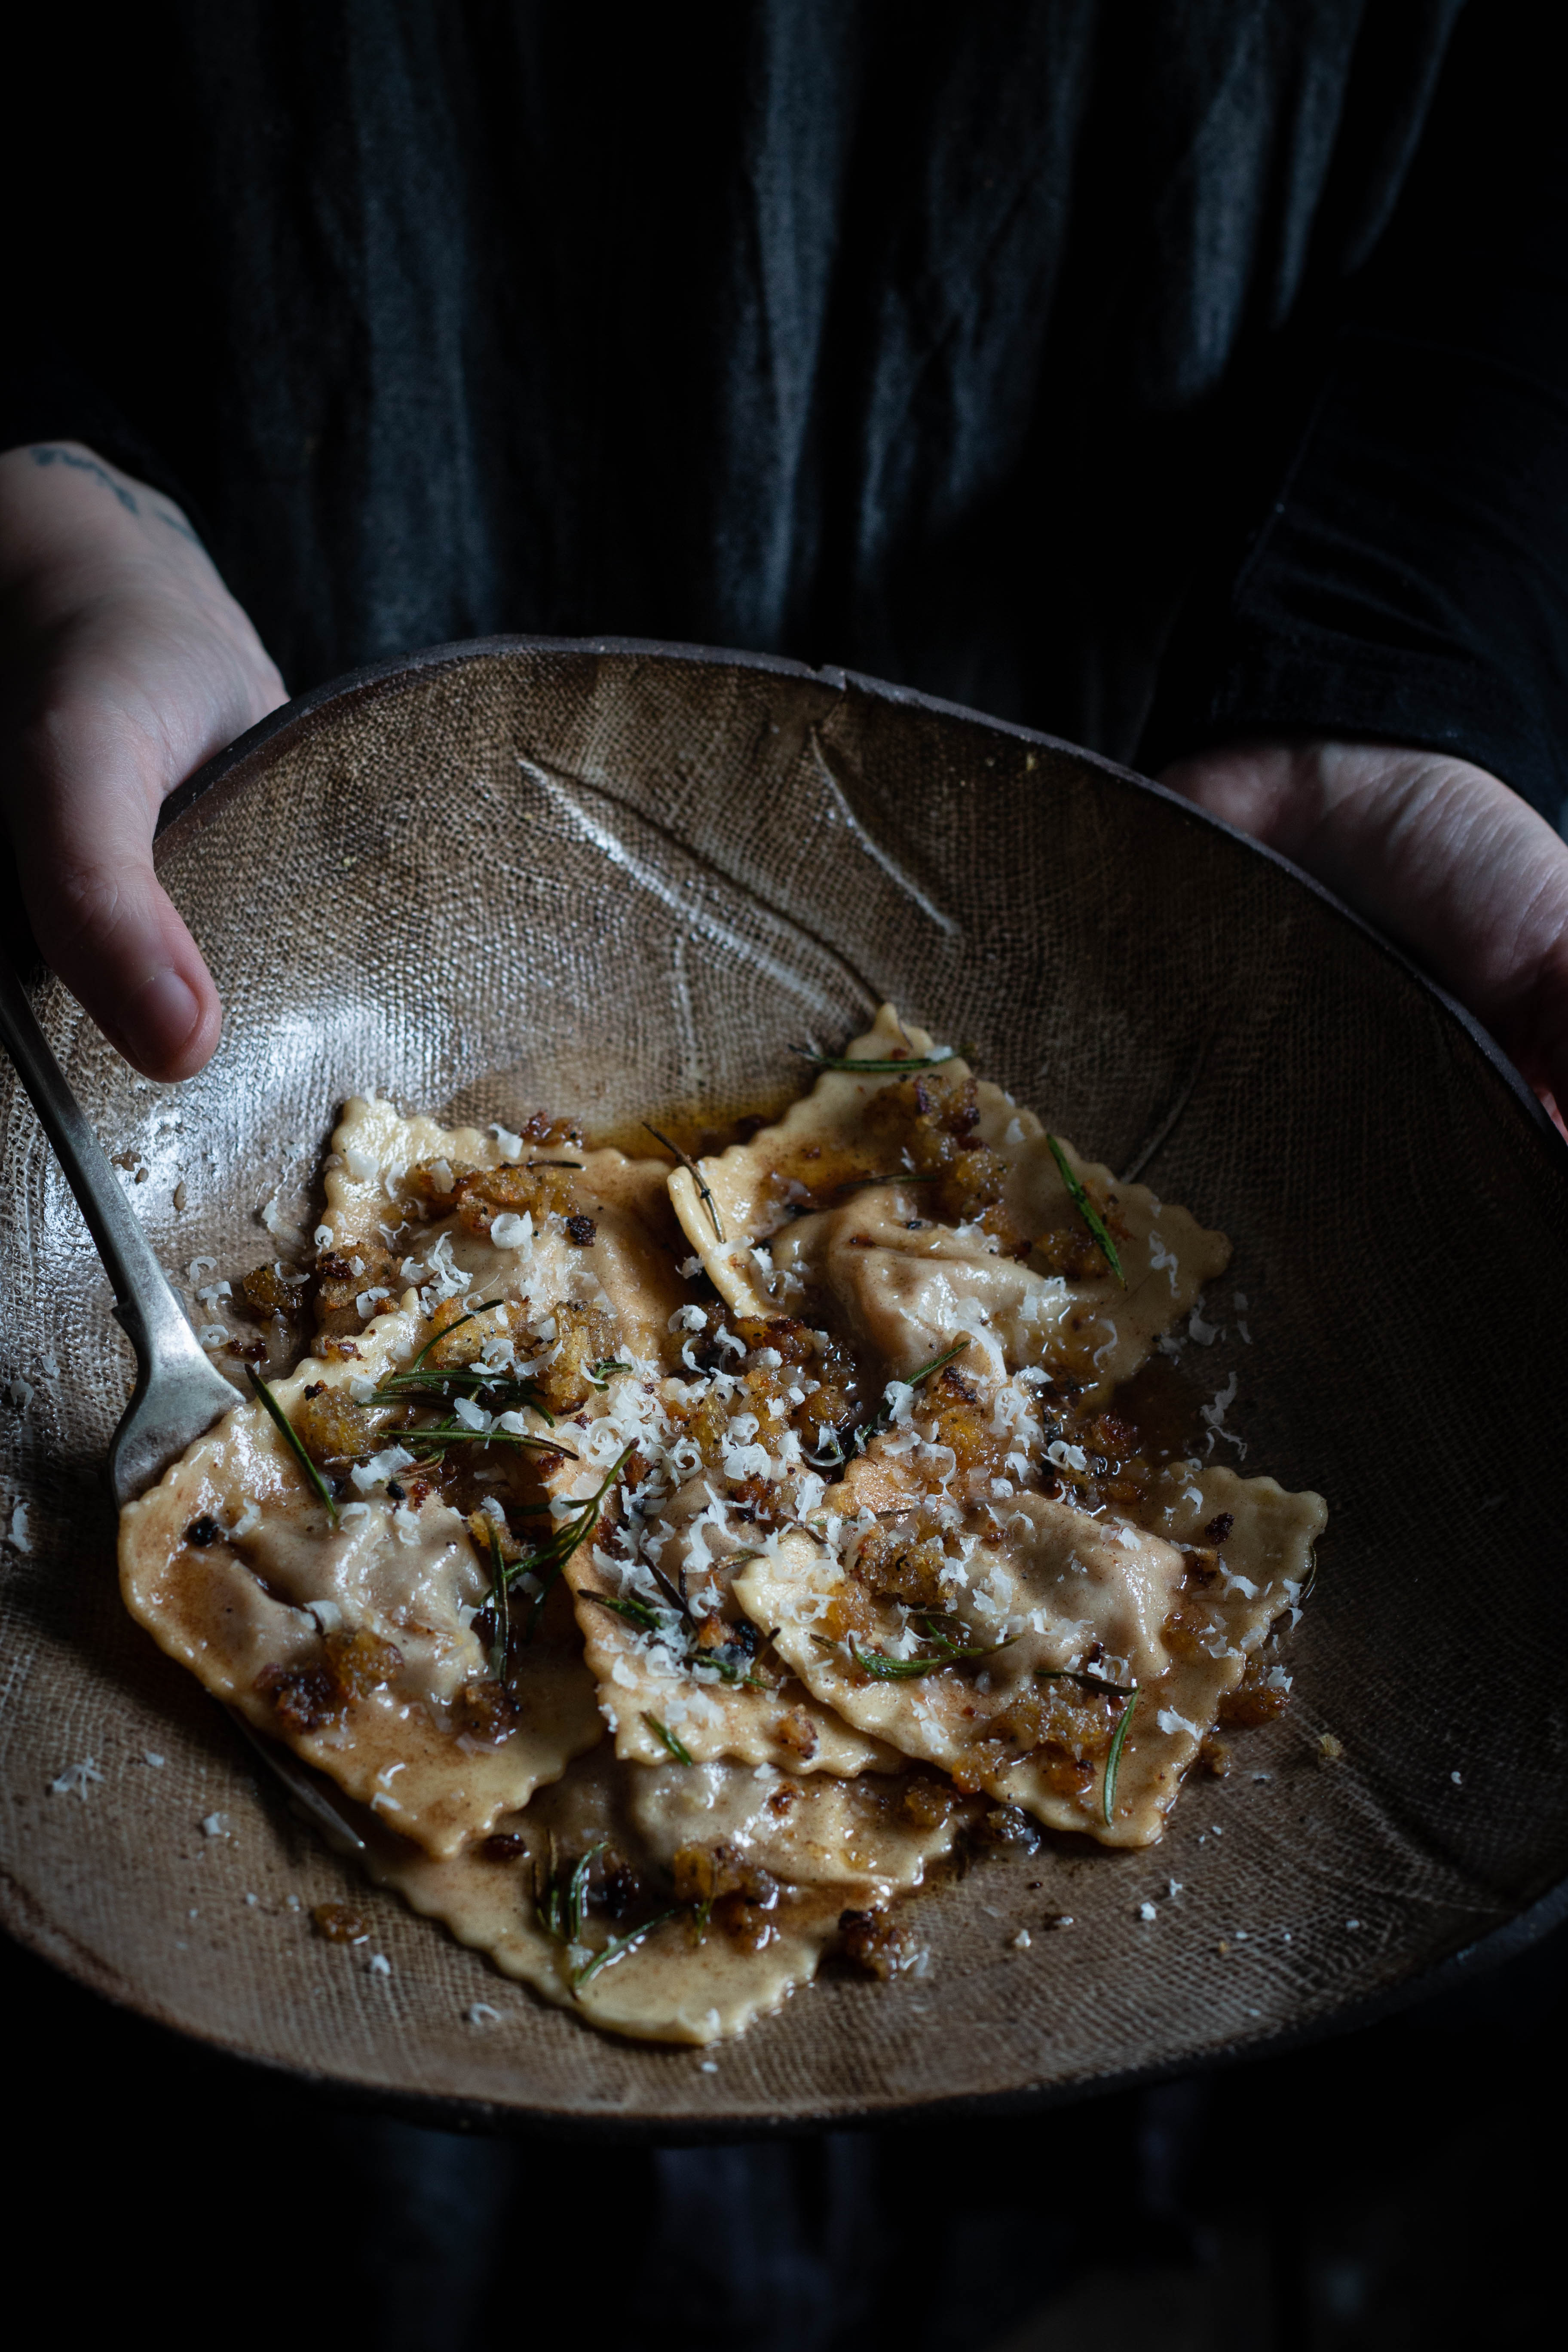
pixel 883 1417
pixel 676 1600
pixel 292 1439
pixel 501 1602
pixel 635 1613
pixel 616 1946
pixel 735 1676
pixel 440 1387
pixel 547 1907
pixel 437 1435
pixel 1087 1210
pixel 696 1175
pixel 1113 1761
pixel 883 1669
pixel 869 1069
pixel 648 1619
pixel 577 1892
pixel 483 1309
pixel 546 1564
pixel 667 1737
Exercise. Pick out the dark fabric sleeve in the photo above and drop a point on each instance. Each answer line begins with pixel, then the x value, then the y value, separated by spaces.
pixel 1409 581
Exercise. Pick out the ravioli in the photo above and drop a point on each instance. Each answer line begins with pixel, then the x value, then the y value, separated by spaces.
pixel 1067 1616
pixel 791 1855
pixel 675 1563
pixel 676 1667
pixel 609 1247
pixel 353 1644
pixel 804 1218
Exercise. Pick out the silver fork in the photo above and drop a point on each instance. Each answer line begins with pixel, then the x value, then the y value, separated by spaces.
pixel 179 1392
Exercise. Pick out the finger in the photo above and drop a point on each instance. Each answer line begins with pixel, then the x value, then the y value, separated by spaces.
pixel 1440 853
pixel 102 920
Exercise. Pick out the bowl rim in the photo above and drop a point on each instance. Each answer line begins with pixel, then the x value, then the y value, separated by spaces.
pixel 185 814
pixel 189 806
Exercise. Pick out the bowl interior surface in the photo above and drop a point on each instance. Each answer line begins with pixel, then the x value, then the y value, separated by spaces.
pixel 621 881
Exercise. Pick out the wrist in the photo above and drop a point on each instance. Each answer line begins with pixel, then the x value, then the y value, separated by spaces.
pixel 105 587
pixel 71 524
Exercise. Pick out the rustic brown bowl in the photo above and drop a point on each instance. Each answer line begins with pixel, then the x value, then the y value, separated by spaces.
pixel 609 877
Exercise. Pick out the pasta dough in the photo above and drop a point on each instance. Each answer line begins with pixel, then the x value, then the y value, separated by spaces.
pixel 675 1564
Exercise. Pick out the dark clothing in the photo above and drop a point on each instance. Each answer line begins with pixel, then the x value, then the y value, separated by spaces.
pixel 959 345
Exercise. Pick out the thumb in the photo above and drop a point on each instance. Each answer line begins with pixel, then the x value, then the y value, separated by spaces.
pixel 83 836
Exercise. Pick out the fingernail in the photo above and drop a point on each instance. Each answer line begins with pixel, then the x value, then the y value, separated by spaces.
pixel 159 1017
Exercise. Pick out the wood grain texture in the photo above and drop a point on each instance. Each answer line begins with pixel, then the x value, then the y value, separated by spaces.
pixel 620 879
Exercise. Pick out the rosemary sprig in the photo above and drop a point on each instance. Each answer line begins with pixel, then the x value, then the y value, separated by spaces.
pixel 577 1892
pixel 883 1417
pixel 556 1163
pixel 697 1177
pixel 1087 1210
pixel 869 1069
pixel 599 1374
pixel 882 1668
pixel 439 1388
pixel 501 1602
pixel 559 1910
pixel 616 1946
pixel 292 1439
pixel 438 1435
pixel 667 1737
pixel 650 1620
pixel 482 1308
pixel 737 1677
pixel 547 1562
pixel 1113 1761
pixel 639 1614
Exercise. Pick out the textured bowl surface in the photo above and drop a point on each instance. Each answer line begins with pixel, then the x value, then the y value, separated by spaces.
pixel 614 877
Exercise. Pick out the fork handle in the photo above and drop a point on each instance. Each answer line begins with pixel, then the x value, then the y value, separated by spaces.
pixel 144 1302
pixel 178 1388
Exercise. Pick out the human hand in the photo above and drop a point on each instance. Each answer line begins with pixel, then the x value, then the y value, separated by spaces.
pixel 1439 855
pixel 124 663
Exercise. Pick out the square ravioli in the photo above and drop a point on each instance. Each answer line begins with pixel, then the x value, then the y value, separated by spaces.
pixel 679 1670
pixel 544 1222
pixel 730 1885
pixel 1070 1665
pixel 670 1563
pixel 352 1637
pixel 913 1208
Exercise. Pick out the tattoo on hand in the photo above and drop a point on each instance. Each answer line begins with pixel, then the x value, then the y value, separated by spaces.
pixel 46 454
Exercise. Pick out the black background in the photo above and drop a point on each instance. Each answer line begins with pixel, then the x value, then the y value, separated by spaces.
pixel 1399 2186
